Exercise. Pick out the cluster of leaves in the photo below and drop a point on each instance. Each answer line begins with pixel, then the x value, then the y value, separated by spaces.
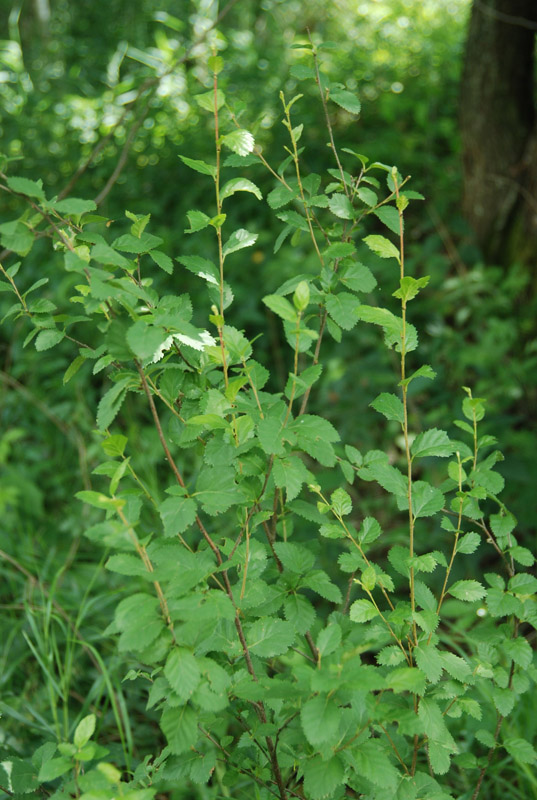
pixel 264 676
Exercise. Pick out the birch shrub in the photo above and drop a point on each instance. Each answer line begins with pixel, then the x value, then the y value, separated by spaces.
pixel 288 646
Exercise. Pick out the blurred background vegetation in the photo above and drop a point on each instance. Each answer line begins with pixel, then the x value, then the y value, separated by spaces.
pixel 75 76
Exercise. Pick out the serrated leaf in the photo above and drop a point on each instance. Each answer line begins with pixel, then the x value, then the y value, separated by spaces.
pixel 177 514
pixel 381 246
pixel 372 762
pixel 74 205
pixel 362 611
pixel 390 406
pixel 504 700
pixel 367 196
pixel 111 402
pixel 520 651
pixel 320 719
pixel 406 679
pixel 241 142
pixel 432 442
pixel 182 671
pixel 281 306
pixel 329 639
pixel 180 726
pixel 521 750
pixel 523 584
pixel 281 195
pixel 389 216
pixel 469 591
pixel 199 166
pixel 321 778
pixel 339 250
pixel 269 637
pixel 321 583
pixel 426 499
pixel 340 205
pixel 290 474
pixel 346 100
pixel 469 543
pixel 28 187
pixel 429 661
pixel 343 308
pixel 47 338
pixel 216 490
pixel 240 185
pixel 341 502
pixel 358 278
pixel 299 612
pixel 238 240
pixel 162 260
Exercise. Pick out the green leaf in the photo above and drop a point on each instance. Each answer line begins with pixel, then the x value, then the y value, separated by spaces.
pixel 381 246
pixel 469 543
pixel 390 217
pixel 367 196
pixel 522 555
pixel 389 405
pixel 162 260
pixel 425 371
pixel 321 778
pixel 111 402
pixel 329 639
pixel 281 306
pixel 504 700
pixel 429 661
pixel 270 433
pixel 320 718
pixel 182 671
pixel 343 308
pixel 73 368
pixel 281 195
pixel 28 187
pixel 139 620
pixel 238 240
pixel 134 244
pixel 47 338
pixel 321 583
pixel 75 206
pixel 358 278
pixel 362 611
pixel 269 637
pixel 523 584
pixel 406 679
pixel 521 750
pixel 346 100
pixel 216 489
pixel 299 612
pixel 426 499
pixel 519 650
pixel 145 340
pixel 501 604
pixel 370 531
pixel 339 250
pixel 198 221
pixel 409 287
pixel 290 474
pixel 180 726
pixel 315 435
pixel 241 142
pixel 199 166
pixel 432 442
pixel 469 591
pixel 84 730
pixel 294 557
pixel 177 514
pixel 457 667
pixel 341 502
pixel 340 205
pixel 371 761
pixel 52 769
pixel 390 478
pixel 240 185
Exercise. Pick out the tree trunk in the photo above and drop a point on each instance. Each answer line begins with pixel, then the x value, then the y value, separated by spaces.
pixel 498 129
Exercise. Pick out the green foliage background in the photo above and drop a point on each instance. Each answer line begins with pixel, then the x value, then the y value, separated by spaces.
pixel 66 84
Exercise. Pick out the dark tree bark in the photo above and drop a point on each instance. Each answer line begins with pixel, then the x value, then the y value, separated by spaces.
pixel 498 129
